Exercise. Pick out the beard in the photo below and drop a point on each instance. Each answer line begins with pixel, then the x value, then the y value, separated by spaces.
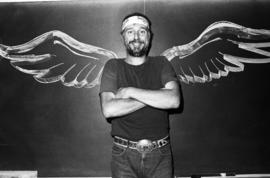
pixel 137 51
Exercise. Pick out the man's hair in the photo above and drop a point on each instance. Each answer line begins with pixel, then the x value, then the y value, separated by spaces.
pixel 138 14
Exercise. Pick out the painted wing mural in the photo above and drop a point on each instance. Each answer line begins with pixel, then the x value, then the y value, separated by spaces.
pixel 212 34
pixel 18 59
pixel 19 55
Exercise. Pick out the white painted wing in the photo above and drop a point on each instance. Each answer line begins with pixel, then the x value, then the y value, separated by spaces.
pixel 218 31
pixel 20 58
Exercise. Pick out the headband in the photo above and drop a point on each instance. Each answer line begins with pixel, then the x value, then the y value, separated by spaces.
pixel 135 20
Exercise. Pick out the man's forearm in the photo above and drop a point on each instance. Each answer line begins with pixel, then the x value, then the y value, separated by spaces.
pixel 130 99
pixel 118 107
pixel 162 99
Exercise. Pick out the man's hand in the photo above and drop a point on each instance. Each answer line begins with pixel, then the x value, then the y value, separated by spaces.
pixel 123 93
pixel 119 104
pixel 164 98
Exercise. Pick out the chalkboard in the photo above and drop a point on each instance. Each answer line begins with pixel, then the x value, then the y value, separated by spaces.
pixel 60 131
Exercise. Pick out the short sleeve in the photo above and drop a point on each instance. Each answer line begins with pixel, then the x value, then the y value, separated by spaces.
pixel 109 77
pixel 168 74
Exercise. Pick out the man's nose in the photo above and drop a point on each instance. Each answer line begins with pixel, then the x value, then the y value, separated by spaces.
pixel 136 35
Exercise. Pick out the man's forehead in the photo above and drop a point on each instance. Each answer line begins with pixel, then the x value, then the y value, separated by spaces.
pixel 135 20
pixel 136 27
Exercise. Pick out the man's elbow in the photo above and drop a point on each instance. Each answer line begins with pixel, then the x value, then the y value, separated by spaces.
pixel 107 113
pixel 174 99
pixel 175 103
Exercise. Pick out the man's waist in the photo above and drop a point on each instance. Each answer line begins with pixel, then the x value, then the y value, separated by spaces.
pixel 143 145
pixel 134 131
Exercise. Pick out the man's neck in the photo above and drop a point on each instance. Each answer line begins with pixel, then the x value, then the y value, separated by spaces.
pixel 135 60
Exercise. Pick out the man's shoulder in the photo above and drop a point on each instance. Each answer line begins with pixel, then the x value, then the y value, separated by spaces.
pixel 158 59
pixel 114 61
pixel 111 63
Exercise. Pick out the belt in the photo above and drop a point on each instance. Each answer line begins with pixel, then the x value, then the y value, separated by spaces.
pixel 142 146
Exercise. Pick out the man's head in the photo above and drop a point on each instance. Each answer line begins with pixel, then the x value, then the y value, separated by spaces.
pixel 136 33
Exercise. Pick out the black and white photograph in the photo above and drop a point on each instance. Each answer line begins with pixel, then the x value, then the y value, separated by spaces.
pixel 135 88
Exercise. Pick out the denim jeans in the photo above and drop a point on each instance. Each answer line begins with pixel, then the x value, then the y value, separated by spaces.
pixel 129 163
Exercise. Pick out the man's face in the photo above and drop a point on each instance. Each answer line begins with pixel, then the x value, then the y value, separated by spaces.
pixel 136 39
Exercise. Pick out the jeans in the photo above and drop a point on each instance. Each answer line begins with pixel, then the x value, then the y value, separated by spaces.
pixel 129 163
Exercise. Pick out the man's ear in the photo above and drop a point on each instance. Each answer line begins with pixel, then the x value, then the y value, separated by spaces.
pixel 151 36
pixel 122 39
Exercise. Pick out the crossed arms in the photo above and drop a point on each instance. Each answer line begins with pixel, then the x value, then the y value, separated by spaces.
pixel 130 99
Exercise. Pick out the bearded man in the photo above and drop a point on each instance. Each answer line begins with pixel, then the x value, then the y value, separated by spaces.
pixel 136 93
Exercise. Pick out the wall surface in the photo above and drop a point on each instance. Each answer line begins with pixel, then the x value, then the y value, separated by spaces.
pixel 60 131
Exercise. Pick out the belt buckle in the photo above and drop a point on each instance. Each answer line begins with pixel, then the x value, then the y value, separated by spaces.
pixel 144 146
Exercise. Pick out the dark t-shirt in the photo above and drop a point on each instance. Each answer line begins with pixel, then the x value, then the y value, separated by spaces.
pixel 148 122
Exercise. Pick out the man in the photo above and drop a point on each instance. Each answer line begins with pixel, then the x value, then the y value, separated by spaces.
pixel 136 93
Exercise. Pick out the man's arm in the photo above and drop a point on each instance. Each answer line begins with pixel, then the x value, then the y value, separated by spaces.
pixel 165 98
pixel 114 106
pixel 130 99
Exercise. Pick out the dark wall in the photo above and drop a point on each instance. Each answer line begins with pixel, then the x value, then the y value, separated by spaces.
pixel 60 131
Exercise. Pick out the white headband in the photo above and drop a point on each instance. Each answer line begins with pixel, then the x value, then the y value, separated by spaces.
pixel 135 20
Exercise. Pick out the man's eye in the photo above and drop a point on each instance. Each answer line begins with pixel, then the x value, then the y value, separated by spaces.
pixel 129 32
pixel 142 32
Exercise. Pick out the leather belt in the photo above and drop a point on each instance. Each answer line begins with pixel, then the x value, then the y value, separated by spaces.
pixel 142 146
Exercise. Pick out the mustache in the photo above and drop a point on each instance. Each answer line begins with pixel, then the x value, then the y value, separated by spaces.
pixel 135 41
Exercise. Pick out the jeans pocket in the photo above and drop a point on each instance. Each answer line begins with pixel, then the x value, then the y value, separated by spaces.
pixel 118 150
pixel 165 150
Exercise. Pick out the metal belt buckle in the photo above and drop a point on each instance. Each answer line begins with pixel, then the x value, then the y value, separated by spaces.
pixel 144 146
